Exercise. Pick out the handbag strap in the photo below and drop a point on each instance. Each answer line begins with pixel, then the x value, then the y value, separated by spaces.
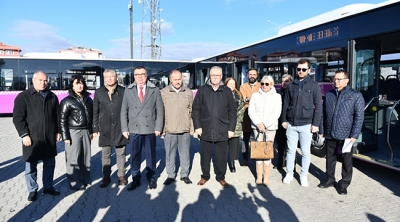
pixel 264 136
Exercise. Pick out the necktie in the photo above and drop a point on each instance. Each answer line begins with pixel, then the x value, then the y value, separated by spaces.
pixel 141 96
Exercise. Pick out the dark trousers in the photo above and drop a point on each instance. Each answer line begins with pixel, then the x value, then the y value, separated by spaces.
pixel 281 139
pixel 221 156
pixel 246 141
pixel 233 148
pixel 332 148
pixel 137 143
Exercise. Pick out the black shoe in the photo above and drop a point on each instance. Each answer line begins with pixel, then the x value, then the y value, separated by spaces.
pixel 105 182
pixel 51 191
pixel 245 162
pixel 168 181
pixel 342 191
pixel 32 196
pixel 326 185
pixel 233 168
pixel 186 180
pixel 135 183
pixel 153 184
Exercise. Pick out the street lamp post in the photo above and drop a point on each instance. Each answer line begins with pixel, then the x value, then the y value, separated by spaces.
pixel 130 6
pixel 279 26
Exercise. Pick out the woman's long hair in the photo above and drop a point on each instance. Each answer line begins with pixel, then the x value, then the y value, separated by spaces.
pixel 79 79
pixel 235 90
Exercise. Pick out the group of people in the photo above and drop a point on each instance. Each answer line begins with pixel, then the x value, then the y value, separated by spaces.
pixel 219 114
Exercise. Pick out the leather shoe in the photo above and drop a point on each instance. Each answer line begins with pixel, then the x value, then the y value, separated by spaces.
pixel 51 191
pixel 153 184
pixel 202 182
pixel 232 167
pixel 342 191
pixel 32 196
pixel 326 185
pixel 105 182
pixel 168 181
pixel 122 181
pixel 223 183
pixel 186 180
pixel 135 183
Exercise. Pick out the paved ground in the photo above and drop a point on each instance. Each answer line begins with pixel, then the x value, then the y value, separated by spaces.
pixel 373 195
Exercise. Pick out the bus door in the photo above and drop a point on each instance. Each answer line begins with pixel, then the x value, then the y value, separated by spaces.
pixel 364 71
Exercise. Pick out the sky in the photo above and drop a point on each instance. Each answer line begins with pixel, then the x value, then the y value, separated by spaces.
pixel 191 29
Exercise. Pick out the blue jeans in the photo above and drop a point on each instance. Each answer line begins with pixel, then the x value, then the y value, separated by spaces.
pixel 293 134
pixel 48 173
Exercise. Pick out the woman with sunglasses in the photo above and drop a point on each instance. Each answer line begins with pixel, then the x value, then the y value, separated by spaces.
pixel 76 115
pixel 264 111
pixel 234 141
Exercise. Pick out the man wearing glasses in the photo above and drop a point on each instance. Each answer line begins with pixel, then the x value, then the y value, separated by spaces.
pixel 142 119
pixel 301 115
pixel 343 117
pixel 214 118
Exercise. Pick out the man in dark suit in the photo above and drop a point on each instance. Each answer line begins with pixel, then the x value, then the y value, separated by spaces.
pixel 343 119
pixel 142 119
pixel 107 125
pixel 214 118
pixel 35 118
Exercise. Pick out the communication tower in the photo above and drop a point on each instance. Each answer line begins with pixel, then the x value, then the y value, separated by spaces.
pixel 150 46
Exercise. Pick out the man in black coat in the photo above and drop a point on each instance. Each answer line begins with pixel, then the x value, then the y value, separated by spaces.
pixel 107 125
pixel 214 119
pixel 35 118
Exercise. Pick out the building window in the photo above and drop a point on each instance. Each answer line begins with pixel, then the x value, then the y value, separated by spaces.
pixel 1 52
pixel 9 52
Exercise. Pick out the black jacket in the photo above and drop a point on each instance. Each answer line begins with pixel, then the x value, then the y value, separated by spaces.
pixel 107 116
pixel 75 113
pixel 302 106
pixel 36 116
pixel 343 114
pixel 215 112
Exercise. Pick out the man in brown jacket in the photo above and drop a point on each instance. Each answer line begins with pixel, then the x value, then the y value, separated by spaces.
pixel 247 89
pixel 178 124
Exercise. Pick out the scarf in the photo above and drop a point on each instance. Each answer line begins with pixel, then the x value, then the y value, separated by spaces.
pixel 111 90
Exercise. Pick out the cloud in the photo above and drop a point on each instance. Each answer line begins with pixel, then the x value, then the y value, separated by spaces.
pixel 39 37
pixel 176 51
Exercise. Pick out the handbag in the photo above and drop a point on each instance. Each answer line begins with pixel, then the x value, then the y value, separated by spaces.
pixel 261 149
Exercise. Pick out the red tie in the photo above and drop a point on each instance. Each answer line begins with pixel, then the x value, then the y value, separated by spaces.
pixel 141 96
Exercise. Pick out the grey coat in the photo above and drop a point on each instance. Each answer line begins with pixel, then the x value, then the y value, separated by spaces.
pixel 142 118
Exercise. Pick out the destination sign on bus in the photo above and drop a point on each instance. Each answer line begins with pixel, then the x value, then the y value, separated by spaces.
pixel 318 35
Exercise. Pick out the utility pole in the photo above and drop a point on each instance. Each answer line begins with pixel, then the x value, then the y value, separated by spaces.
pixel 130 7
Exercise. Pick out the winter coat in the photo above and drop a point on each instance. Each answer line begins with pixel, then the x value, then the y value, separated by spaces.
pixel 177 110
pixel 36 116
pixel 107 116
pixel 343 114
pixel 215 112
pixel 247 92
pixel 142 118
pixel 240 113
pixel 75 113
pixel 265 107
pixel 302 106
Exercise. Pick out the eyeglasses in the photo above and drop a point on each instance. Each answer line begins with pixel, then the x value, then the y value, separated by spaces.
pixel 264 83
pixel 139 74
pixel 301 69
pixel 216 75
pixel 339 79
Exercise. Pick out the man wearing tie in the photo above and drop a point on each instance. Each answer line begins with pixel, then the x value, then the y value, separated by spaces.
pixel 142 118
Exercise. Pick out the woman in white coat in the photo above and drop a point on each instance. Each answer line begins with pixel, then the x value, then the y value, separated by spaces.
pixel 264 111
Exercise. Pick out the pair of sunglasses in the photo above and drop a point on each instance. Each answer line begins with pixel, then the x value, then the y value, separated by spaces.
pixel 264 83
pixel 301 69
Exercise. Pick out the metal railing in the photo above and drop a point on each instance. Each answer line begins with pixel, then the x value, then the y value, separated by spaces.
pixel 388 130
pixel 366 106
